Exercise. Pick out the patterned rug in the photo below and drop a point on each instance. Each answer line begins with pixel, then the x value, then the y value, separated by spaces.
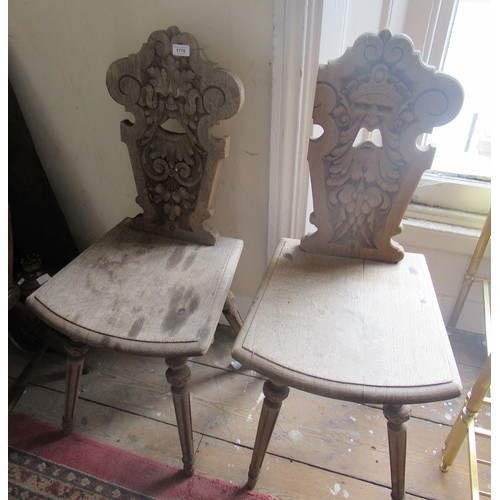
pixel 45 464
pixel 33 477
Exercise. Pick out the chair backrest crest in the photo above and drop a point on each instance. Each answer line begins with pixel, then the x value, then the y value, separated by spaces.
pixel 176 95
pixel 362 190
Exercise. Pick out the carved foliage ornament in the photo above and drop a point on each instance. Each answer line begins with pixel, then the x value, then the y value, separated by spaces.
pixel 362 191
pixel 175 99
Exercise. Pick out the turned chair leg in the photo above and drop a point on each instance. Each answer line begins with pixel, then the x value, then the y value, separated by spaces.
pixel 231 313
pixel 275 395
pixel 178 375
pixel 75 358
pixel 397 421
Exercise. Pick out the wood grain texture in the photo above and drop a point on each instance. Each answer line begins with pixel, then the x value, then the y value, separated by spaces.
pixel 352 329
pixel 176 98
pixel 141 292
pixel 361 190
pixel 467 352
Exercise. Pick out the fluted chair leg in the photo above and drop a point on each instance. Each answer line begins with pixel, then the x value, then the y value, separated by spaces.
pixel 275 394
pixel 397 422
pixel 178 376
pixel 75 359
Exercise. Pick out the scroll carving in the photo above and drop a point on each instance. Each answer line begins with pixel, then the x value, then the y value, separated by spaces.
pixel 175 100
pixel 361 189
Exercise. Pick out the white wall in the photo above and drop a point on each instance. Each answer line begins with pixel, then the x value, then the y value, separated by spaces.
pixel 59 52
pixel 448 250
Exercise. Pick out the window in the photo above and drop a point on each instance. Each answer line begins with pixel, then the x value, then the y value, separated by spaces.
pixel 464 145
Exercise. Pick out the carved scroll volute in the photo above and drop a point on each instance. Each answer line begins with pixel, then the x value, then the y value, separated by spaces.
pixel 360 193
pixel 175 100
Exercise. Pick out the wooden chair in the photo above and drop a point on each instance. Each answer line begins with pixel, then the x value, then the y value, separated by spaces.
pixel 156 285
pixel 340 313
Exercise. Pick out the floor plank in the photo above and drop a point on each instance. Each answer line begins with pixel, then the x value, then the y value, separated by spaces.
pixel 109 425
pixel 321 448
pixel 281 477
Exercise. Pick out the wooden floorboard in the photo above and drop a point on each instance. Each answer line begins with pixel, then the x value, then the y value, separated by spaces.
pixel 321 448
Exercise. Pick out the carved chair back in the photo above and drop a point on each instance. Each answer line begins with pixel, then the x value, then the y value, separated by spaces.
pixel 361 190
pixel 176 95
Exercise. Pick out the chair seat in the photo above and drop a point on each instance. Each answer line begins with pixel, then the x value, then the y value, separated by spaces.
pixel 350 329
pixel 141 292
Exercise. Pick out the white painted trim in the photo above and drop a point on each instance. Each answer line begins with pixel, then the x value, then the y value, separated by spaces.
pixel 446 238
pixel 427 22
pixel 297 29
pixel 445 216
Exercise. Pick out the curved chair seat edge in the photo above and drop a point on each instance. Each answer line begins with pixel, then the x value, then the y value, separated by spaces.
pixel 356 393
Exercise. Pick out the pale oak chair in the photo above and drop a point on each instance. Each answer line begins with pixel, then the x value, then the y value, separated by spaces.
pixel 340 313
pixel 156 284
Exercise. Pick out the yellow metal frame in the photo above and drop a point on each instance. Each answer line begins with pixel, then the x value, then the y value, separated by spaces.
pixel 464 426
pixel 474 461
pixel 470 275
pixel 465 423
